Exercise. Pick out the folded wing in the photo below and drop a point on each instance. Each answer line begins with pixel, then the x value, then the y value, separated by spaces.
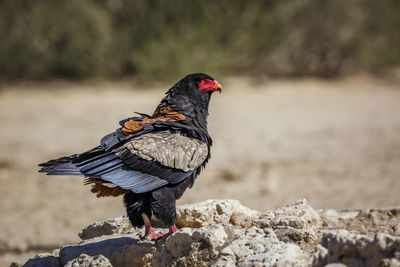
pixel 141 164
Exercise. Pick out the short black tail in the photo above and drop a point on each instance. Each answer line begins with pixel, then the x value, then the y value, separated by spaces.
pixel 61 166
pixel 135 205
pixel 71 165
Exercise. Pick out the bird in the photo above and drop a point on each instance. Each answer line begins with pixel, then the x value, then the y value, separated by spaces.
pixel 151 159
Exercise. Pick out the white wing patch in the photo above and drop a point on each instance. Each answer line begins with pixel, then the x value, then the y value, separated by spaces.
pixel 169 148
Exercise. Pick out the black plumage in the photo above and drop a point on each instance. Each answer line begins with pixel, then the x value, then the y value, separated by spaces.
pixel 131 160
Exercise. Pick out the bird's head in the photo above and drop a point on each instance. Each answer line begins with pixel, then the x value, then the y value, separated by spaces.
pixel 193 91
pixel 196 84
pixel 202 82
pixel 187 101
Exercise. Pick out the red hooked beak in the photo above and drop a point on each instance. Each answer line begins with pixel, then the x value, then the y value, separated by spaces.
pixel 217 86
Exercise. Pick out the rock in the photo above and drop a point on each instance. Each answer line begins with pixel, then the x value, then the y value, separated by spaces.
pixel 89 261
pixel 119 250
pixel 225 233
pixel 212 212
pixel 368 222
pixel 43 260
pixel 337 214
pixel 299 215
pixel 295 222
pixel 258 246
pixel 215 237
pixel 179 244
pixel 202 245
pixel 241 220
pixel 118 225
pixel 359 250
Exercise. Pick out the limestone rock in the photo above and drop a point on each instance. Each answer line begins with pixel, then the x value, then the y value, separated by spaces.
pixel 199 246
pixel 50 261
pixel 118 225
pixel 359 250
pixel 89 261
pixel 119 250
pixel 295 222
pixel 215 237
pixel 43 259
pixel 261 246
pixel 299 215
pixel 241 220
pixel 368 222
pixel 225 233
pixel 212 212
pixel 179 243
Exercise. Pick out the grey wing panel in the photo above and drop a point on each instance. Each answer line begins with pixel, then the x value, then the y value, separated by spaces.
pixel 109 167
pixel 153 167
pixel 170 149
pixel 136 181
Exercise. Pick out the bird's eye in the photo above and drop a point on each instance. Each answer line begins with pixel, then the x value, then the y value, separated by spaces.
pixel 199 80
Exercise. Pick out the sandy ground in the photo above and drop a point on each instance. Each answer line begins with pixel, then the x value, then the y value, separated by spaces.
pixel 336 143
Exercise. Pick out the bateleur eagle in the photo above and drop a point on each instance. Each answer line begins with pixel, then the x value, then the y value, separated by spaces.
pixel 151 160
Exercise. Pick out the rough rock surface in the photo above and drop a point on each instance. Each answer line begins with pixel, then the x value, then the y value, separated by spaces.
pixel 359 250
pixel 211 211
pixel 225 233
pixel 89 261
pixel 119 225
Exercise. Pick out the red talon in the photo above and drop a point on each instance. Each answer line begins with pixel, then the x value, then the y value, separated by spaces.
pixel 172 229
pixel 150 235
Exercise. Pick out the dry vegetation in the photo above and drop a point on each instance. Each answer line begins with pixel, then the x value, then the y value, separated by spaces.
pixel 337 143
pixel 154 39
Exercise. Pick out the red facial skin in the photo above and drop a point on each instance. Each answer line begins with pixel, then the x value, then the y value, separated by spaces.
pixel 208 85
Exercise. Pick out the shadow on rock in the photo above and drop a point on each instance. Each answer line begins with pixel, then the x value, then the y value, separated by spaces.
pixel 114 249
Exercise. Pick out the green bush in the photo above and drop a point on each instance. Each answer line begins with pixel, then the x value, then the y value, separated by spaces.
pixel 164 39
pixel 46 38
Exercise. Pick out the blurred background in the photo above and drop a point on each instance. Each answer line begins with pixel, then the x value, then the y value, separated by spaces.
pixel 156 40
pixel 310 107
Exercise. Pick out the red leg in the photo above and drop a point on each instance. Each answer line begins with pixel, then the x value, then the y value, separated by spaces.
pixel 172 229
pixel 149 234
